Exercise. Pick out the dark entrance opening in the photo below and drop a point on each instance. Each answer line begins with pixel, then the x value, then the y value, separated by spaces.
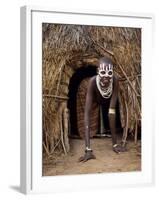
pixel 75 81
pixel 104 128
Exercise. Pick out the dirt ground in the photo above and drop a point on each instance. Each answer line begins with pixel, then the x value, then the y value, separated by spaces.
pixel 106 160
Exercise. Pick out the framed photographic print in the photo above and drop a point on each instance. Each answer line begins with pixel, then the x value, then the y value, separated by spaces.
pixel 86 113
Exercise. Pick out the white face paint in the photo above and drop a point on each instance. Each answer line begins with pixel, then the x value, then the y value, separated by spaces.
pixel 105 70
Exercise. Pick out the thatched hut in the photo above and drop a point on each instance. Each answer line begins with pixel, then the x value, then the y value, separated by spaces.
pixel 70 55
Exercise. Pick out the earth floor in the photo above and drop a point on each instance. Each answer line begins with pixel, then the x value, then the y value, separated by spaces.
pixel 106 160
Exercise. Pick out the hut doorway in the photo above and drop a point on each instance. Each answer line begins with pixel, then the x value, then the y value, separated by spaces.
pixel 77 94
pixel 81 75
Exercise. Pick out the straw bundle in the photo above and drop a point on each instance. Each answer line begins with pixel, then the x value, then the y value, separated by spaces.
pixel 69 47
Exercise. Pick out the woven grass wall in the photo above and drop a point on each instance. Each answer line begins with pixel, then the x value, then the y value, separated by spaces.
pixel 69 47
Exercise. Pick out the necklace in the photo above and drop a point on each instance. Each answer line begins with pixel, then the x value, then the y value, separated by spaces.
pixel 105 92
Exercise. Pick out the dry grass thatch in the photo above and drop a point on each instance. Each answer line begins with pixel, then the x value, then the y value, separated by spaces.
pixel 68 47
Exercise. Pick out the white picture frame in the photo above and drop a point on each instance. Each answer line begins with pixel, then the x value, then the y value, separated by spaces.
pixel 31 100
